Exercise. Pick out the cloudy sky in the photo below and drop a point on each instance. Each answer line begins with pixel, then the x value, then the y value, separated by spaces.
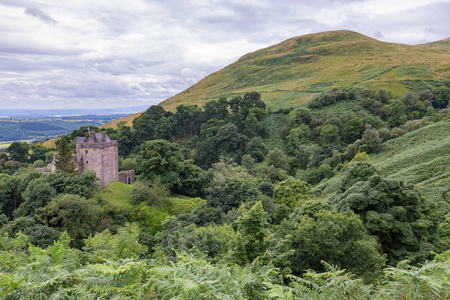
pixel 118 53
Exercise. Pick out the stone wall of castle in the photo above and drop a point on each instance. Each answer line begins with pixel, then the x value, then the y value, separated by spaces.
pixel 100 155
pixel 126 177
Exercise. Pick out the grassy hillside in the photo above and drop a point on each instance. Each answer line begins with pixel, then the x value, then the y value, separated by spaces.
pixel 443 45
pixel 421 157
pixel 117 193
pixel 293 71
pixel 128 119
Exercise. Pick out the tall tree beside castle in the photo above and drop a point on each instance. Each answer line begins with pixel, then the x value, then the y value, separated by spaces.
pixel 65 161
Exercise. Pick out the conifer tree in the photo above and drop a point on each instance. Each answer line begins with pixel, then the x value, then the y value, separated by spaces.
pixel 65 161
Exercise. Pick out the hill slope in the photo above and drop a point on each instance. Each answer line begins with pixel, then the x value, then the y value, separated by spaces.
pixel 443 45
pixel 293 71
pixel 421 157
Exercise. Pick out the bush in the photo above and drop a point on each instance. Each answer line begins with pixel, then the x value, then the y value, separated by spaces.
pixel 292 192
pixel 266 188
pixel 358 171
pixel 154 194
pixel 278 159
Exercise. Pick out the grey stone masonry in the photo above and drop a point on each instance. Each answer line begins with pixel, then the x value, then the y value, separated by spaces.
pixel 126 177
pixel 99 154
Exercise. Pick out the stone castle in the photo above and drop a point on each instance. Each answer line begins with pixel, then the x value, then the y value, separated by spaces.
pixel 98 153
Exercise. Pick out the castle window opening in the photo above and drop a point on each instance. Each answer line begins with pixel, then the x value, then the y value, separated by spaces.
pixel 87 162
pixel 86 151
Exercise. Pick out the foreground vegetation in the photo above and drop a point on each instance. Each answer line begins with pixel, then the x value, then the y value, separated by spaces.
pixel 110 268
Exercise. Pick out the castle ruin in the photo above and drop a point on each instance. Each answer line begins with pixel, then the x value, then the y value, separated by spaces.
pixel 97 153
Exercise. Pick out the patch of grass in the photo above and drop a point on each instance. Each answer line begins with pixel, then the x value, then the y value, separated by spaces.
pixel 437 189
pixel 117 193
pixel 285 59
pixel 377 73
pixel 364 69
pixel 49 143
pixel 413 71
pixel 181 206
pixel 344 106
pixel 321 85
pixel 420 85
pixel 286 99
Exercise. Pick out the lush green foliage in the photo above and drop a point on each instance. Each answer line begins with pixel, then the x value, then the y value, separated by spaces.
pixel 292 192
pixel 109 269
pixel 394 212
pixel 264 176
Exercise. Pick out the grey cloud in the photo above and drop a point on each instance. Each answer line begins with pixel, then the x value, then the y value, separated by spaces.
pixel 16 3
pixel 117 22
pixel 37 13
pixel 117 67
pixel 377 34
pixel 406 26
pixel 22 49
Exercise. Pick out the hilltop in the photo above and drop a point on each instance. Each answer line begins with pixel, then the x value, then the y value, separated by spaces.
pixel 293 71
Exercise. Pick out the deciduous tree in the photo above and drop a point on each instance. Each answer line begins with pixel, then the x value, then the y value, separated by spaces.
pixel 339 239
pixel 18 151
pixel 292 192
pixel 75 214
pixel 395 213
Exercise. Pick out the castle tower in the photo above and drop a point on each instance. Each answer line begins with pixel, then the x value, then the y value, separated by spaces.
pixel 99 154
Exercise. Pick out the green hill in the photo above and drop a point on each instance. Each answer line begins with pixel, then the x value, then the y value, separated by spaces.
pixel 293 71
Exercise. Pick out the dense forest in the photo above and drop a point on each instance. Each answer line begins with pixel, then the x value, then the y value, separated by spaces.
pixel 233 200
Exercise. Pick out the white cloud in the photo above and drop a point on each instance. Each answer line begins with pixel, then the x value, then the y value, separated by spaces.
pixel 110 53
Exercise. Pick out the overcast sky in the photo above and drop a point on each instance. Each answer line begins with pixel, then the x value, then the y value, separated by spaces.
pixel 118 53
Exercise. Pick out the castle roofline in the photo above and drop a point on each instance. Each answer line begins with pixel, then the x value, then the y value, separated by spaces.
pixel 81 139
pixel 100 137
